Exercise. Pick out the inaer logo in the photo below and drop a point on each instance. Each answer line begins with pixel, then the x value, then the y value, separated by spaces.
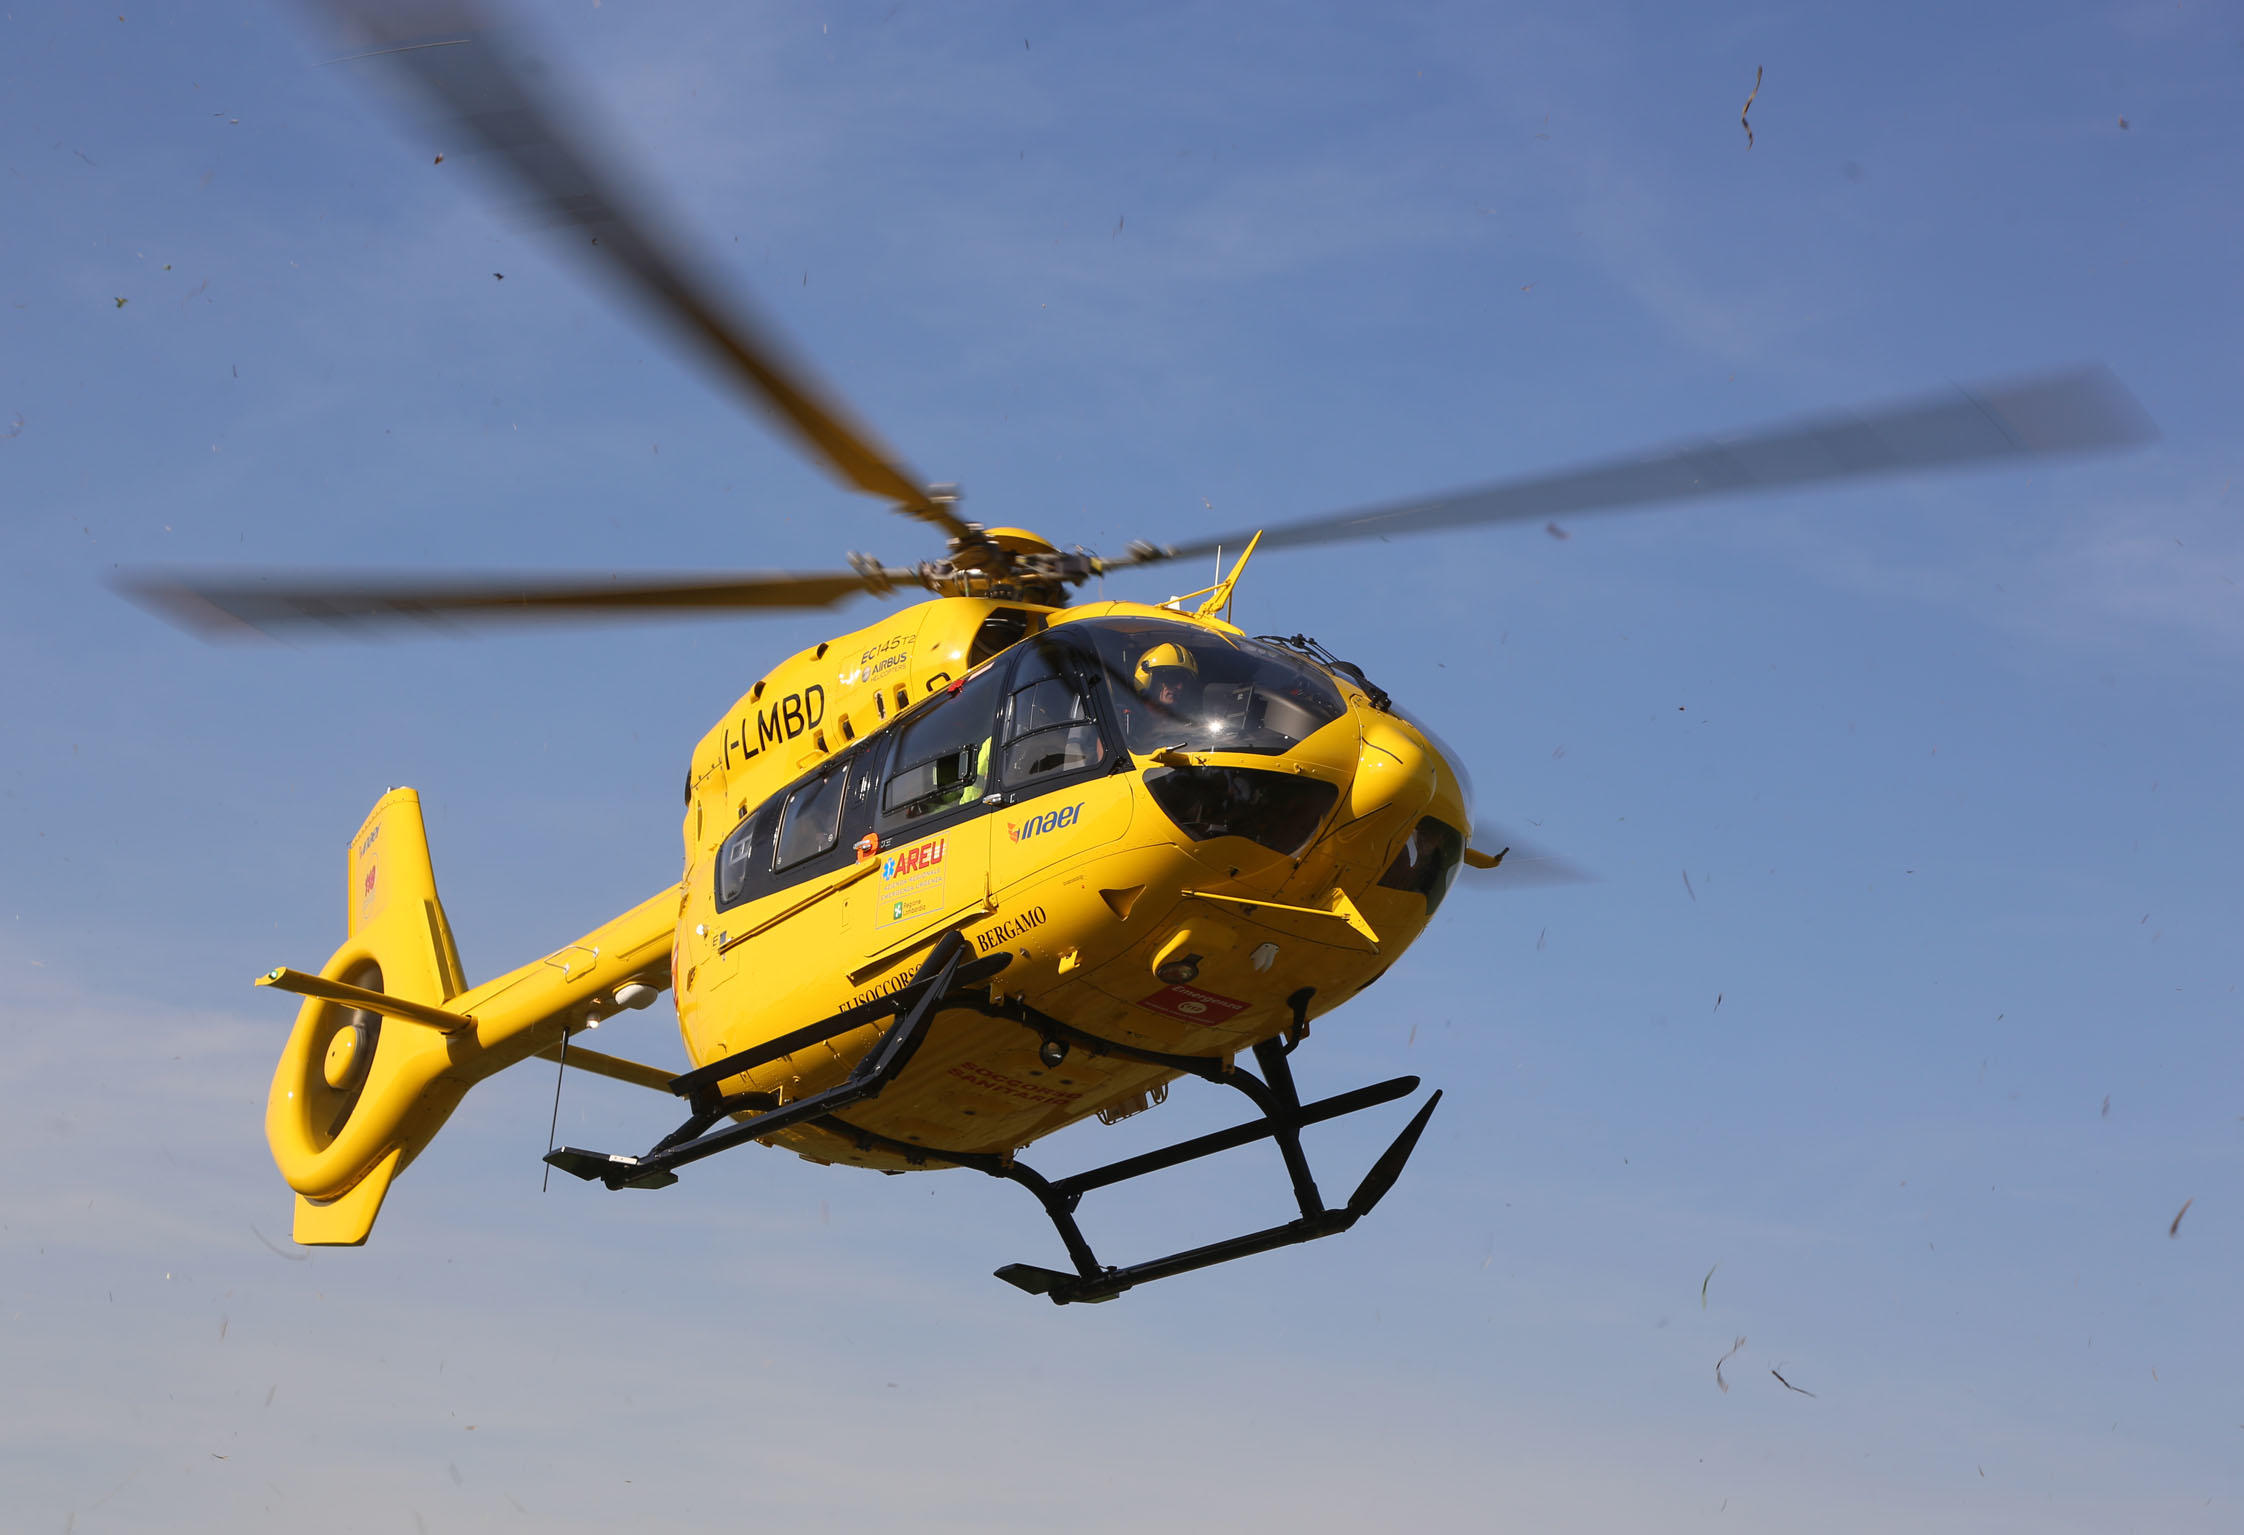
pixel 914 860
pixel 1037 825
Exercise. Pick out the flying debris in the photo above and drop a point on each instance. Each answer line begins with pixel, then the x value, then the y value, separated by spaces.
pixel 990 865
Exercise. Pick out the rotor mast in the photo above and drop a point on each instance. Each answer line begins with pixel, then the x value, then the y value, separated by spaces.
pixel 1006 564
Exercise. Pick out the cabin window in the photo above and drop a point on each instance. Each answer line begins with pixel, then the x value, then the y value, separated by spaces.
pixel 744 862
pixel 811 822
pixel 942 753
pixel 865 763
pixel 806 829
pixel 1428 862
pixel 1050 729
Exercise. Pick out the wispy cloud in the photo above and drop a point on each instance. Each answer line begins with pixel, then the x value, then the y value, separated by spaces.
pixel 2144 574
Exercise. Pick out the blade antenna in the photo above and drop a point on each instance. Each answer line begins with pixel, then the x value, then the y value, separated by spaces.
pixel 553 1125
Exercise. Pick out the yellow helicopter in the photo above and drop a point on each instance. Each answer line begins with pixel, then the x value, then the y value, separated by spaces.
pixel 995 864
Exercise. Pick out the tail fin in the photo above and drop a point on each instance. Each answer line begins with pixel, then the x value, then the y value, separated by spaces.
pixel 345 1114
pixel 393 906
pixel 390 1038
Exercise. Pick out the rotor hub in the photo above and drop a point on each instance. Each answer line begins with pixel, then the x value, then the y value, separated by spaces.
pixel 347 1055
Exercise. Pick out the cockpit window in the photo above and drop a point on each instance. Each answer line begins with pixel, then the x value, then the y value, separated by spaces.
pixel 1178 685
pixel 1050 731
pixel 942 756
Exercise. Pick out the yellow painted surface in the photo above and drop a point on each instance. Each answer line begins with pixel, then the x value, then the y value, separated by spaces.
pixel 976 1084
pixel 327 1141
pixel 347 1218
pixel 1087 889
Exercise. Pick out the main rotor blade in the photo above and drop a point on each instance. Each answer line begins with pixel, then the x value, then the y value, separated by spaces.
pixel 2084 410
pixel 231 605
pixel 456 56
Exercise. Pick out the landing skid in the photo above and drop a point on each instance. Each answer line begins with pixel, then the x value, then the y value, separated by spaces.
pixel 947 980
pixel 1283 1117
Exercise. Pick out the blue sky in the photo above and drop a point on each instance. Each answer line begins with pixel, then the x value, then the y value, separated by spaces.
pixel 1948 763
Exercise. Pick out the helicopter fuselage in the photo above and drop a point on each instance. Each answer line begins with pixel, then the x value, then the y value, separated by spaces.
pixel 1187 878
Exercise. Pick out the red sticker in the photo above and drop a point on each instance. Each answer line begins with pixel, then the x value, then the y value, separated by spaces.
pixel 1192 1005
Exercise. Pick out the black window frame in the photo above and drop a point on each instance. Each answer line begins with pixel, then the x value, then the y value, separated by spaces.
pixel 759 825
pixel 868 762
pixel 1118 688
pixel 843 766
pixel 862 764
pixel 994 675
pixel 1080 672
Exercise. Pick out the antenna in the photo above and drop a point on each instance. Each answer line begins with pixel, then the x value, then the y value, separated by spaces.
pixel 554 1124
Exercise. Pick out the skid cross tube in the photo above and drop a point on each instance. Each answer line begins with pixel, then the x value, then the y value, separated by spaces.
pixel 1284 1117
pixel 1087 1284
pixel 1208 1145
pixel 1274 1094
pixel 1058 1204
pixel 915 1006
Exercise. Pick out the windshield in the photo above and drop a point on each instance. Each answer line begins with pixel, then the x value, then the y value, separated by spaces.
pixel 1182 686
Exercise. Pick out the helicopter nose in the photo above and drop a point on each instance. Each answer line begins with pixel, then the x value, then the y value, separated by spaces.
pixel 1395 775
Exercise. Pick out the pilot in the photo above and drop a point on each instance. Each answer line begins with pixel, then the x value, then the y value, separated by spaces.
pixel 959 778
pixel 1168 678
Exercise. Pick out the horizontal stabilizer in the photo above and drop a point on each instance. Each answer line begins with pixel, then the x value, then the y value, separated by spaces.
pixel 381 1002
